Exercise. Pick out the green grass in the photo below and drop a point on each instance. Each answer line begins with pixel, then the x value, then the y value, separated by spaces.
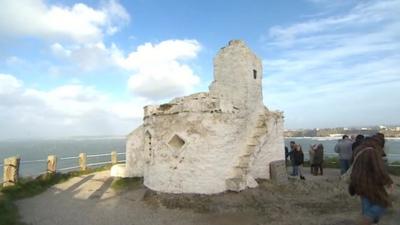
pixel 127 183
pixel 330 162
pixel 333 162
pixel 8 211
pixel 31 187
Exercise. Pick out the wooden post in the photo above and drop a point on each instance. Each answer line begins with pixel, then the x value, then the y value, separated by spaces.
pixel 114 159
pixel 11 171
pixel 51 164
pixel 82 161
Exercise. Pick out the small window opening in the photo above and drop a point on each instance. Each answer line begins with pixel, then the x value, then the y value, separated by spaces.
pixel 176 142
pixel 255 74
pixel 147 141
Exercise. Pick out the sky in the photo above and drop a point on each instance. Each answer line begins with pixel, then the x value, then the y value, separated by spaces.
pixel 79 68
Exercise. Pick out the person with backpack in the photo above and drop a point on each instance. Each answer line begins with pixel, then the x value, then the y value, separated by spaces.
pixel 369 179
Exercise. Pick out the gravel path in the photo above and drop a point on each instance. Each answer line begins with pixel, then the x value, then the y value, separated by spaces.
pixel 89 200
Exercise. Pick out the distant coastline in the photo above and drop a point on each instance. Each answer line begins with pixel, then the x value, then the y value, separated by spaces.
pixel 388 131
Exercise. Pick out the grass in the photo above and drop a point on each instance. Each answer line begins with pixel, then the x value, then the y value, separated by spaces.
pixel 330 162
pixel 30 187
pixel 127 183
pixel 8 211
pixel 333 162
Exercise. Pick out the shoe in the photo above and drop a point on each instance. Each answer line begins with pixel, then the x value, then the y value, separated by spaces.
pixel 302 178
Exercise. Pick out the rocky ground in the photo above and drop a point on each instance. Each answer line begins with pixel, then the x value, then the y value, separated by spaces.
pixel 88 199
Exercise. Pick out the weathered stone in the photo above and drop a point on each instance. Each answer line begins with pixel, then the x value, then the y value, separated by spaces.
pixel 51 164
pixel 278 172
pixel 82 161
pixel 118 170
pixel 11 171
pixel 213 141
pixel 114 157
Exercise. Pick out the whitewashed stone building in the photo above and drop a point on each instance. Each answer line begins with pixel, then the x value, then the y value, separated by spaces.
pixel 209 142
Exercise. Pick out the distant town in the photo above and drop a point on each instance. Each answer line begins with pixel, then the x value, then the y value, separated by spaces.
pixel 388 131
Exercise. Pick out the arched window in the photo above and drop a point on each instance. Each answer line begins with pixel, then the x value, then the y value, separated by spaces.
pixel 255 74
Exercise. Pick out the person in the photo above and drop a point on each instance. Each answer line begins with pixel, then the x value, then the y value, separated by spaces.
pixel 312 153
pixel 369 180
pixel 357 142
pixel 286 154
pixel 380 139
pixel 298 157
pixel 319 159
pixel 359 139
pixel 292 149
pixel 343 147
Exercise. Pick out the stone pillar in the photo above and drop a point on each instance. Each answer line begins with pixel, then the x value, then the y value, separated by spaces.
pixel 11 171
pixel 51 164
pixel 278 172
pixel 82 161
pixel 114 159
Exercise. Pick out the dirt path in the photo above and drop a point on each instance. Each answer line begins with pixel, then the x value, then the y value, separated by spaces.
pixel 89 200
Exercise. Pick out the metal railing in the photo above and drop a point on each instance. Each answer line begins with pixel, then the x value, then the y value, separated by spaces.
pixel 52 162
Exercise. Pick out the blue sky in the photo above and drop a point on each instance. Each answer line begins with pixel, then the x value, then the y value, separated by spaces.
pixel 71 68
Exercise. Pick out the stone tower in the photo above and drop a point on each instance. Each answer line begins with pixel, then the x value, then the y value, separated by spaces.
pixel 209 142
pixel 238 77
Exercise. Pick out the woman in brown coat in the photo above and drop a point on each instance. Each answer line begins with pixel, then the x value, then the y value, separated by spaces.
pixel 369 180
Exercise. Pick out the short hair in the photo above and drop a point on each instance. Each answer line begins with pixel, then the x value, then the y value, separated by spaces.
pixel 345 136
pixel 292 142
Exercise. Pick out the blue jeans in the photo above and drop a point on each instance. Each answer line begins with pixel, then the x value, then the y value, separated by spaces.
pixel 295 169
pixel 344 165
pixel 372 210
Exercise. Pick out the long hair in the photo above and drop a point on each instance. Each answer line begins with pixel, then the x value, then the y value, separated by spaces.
pixel 369 175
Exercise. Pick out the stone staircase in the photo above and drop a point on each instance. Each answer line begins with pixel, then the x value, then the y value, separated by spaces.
pixel 239 180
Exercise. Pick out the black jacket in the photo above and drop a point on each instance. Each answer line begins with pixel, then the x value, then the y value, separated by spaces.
pixel 298 157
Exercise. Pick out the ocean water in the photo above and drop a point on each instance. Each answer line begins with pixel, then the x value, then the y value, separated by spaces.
pixel 39 150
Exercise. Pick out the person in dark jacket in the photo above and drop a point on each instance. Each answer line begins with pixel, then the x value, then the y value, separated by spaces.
pixel 291 153
pixel 319 159
pixel 359 139
pixel 298 158
pixel 357 142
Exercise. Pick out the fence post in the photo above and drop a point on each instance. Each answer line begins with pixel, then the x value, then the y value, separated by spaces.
pixel 51 164
pixel 114 159
pixel 82 161
pixel 11 171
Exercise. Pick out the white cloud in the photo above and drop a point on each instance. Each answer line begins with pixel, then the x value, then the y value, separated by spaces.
pixel 87 57
pixel 337 68
pixel 362 15
pixel 161 70
pixel 59 50
pixel 78 23
pixel 9 84
pixel 72 109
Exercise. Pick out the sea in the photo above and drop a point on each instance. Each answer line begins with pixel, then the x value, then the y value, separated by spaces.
pixel 33 153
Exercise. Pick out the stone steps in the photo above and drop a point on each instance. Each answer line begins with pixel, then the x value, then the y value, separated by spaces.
pixel 239 180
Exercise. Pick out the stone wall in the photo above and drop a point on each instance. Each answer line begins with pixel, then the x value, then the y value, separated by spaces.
pixel 272 147
pixel 200 161
pixel 134 153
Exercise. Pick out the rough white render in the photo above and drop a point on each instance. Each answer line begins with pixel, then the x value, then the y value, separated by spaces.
pixel 209 142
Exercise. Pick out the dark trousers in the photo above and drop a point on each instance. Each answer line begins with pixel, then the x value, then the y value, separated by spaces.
pixel 316 168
